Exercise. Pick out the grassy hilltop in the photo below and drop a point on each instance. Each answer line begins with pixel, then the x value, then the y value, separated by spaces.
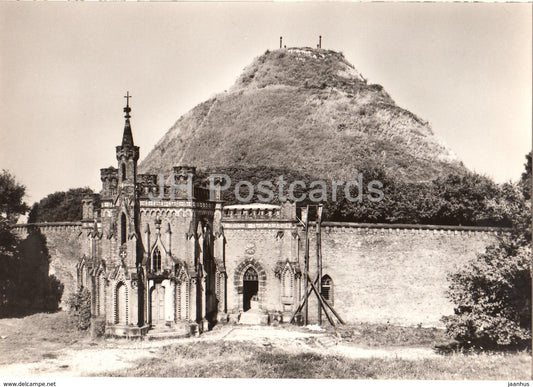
pixel 308 111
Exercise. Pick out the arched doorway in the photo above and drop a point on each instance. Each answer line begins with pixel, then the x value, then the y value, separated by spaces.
pixel 250 287
pixel 157 301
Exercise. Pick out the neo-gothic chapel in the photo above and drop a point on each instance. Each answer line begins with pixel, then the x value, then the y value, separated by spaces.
pixel 183 263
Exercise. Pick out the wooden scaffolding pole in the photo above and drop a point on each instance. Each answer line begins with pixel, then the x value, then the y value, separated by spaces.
pixel 306 264
pixel 319 259
pixel 309 284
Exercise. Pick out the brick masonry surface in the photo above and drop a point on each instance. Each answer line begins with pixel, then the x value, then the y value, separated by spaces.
pixel 388 274
pixel 396 275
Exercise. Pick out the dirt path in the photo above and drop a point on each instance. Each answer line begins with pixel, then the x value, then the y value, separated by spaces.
pixel 113 355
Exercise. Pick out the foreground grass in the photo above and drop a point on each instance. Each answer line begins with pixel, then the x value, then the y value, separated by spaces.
pixel 247 360
pixel 377 335
pixel 36 337
pixel 46 336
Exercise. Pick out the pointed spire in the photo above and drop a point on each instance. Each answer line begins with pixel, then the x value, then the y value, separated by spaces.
pixel 127 138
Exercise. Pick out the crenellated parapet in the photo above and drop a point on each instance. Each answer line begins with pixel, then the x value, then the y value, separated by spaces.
pixel 183 184
pixel 259 212
pixel 251 212
pixel 22 230
pixel 417 229
pixel 146 179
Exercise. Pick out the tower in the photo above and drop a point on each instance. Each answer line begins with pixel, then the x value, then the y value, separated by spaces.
pixel 127 222
pixel 123 220
pixel 127 152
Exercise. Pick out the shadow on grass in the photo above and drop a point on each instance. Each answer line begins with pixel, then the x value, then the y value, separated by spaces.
pixel 390 335
pixel 25 312
pixel 455 347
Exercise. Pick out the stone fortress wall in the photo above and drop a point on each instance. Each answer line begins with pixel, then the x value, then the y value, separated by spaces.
pixel 64 241
pixel 380 272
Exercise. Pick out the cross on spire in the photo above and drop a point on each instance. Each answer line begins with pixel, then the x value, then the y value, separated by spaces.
pixel 127 138
pixel 128 96
pixel 127 109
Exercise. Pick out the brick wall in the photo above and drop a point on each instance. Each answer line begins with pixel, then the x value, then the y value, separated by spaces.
pixel 261 245
pixel 380 274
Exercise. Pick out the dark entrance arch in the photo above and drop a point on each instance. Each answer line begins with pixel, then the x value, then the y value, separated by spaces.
pixel 250 287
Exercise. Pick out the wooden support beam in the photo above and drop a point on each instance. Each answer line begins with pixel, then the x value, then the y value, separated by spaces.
pixel 306 263
pixel 309 290
pixel 322 305
pixel 315 286
pixel 333 311
pixel 319 258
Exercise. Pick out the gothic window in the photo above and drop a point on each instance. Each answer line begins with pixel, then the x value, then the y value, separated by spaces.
pixel 83 277
pixel 122 228
pixel 156 260
pixel 123 171
pixel 327 289
pixel 287 283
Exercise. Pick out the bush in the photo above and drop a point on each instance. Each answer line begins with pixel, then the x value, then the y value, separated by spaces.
pixel 98 327
pixel 493 293
pixel 59 207
pixel 54 291
pixel 80 309
pixel 493 298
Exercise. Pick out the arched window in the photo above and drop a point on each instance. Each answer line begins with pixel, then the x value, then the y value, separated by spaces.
pixel 83 277
pixel 123 171
pixel 123 229
pixel 287 283
pixel 156 260
pixel 327 289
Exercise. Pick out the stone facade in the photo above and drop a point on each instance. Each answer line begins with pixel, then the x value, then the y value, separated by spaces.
pixel 185 261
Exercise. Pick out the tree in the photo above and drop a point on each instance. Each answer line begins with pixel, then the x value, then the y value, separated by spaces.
pixel 11 195
pixel 463 199
pixel 35 289
pixel 11 207
pixel 492 294
pixel 59 206
pixel 525 180
pixel 24 281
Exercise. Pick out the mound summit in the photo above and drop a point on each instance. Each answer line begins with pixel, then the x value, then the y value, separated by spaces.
pixel 308 111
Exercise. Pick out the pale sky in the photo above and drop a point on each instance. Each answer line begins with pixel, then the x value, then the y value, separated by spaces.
pixel 65 67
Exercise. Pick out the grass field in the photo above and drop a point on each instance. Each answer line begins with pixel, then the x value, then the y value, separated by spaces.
pixel 32 338
pixel 46 344
pixel 246 360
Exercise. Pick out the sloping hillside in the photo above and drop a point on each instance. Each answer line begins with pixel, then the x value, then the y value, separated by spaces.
pixel 305 110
